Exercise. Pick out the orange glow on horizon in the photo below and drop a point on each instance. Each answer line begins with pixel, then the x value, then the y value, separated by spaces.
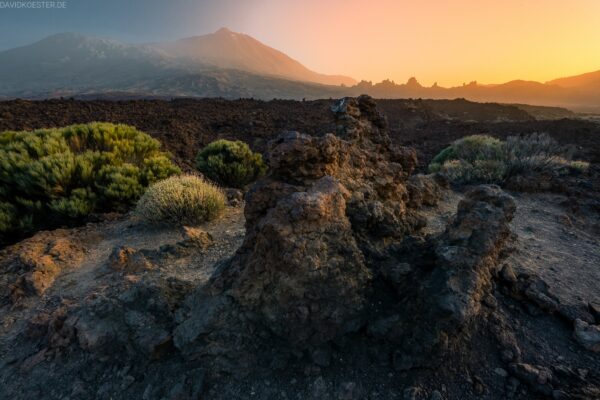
pixel 450 42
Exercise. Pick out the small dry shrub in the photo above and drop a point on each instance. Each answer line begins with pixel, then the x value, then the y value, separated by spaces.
pixel 534 153
pixel 181 200
pixel 484 159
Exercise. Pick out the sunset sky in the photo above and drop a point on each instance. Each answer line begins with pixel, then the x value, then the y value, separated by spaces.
pixel 450 42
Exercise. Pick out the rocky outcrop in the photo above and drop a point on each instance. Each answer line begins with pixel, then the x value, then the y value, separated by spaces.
pixel 128 260
pixel 466 259
pixel 587 335
pixel 132 318
pixel 334 273
pixel 305 274
pixel 440 283
pixel 33 265
pixel 196 237
pixel 331 230
pixel 425 190
pixel 315 225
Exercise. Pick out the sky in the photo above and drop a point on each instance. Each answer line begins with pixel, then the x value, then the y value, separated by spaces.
pixel 449 42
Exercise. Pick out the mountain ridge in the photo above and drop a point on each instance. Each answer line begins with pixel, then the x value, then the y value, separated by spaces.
pixel 227 49
pixel 585 79
pixel 235 65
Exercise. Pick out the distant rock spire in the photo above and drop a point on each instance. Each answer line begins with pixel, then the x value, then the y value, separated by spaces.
pixel 413 83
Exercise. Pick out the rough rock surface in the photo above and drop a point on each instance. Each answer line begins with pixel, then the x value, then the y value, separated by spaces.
pixel 425 190
pixel 36 262
pixel 104 328
pixel 588 335
pixel 315 224
pixel 329 225
pixel 468 251
pixel 440 286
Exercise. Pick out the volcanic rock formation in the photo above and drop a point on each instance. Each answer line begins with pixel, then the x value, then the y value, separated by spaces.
pixel 331 231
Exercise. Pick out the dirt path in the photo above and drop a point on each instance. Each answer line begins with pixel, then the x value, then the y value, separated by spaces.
pixel 552 245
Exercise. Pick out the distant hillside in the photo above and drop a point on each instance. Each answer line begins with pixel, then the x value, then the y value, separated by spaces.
pixel 231 50
pixel 580 98
pixel 587 81
pixel 546 113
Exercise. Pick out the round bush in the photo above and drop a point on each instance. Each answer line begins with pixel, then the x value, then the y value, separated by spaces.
pixel 52 176
pixel 181 200
pixel 230 163
pixel 477 147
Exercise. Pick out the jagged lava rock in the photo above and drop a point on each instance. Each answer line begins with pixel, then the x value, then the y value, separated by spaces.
pixel 332 225
pixel 35 263
pixel 316 223
pixel 587 335
pixel 449 277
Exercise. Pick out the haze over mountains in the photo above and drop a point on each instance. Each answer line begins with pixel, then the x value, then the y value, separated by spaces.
pixel 580 93
pixel 227 49
pixel 232 65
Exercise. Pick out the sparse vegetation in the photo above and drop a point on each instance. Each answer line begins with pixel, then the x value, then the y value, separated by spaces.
pixel 230 163
pixel 181 200
pixel 484 159
pixel 469 149
pixel 52 176
pixel 461 171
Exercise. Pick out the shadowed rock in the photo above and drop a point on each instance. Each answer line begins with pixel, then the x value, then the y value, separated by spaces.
pixel 330 220
pixel 314 223
pixel 440 283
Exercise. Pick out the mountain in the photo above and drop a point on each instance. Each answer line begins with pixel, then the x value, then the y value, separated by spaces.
pixel 233 65
pixel 583 81
pixel 70 61
pixel 581 93
pixel 231 50
pixel 205 66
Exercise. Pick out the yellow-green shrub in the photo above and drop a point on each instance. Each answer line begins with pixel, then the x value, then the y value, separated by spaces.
pixel 181 200
pixel 52 176
pixel 230 163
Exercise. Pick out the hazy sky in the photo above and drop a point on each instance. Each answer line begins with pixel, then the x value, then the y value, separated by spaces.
pixel 450 42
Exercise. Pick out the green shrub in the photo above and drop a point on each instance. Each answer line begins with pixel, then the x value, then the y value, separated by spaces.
pixel 477 147
pixel 8 215
pixel 230 163
pixel 458 171
pixel 441 158
pixel 579 166
pixel 470 149
pixel 181 200
pixel 484 159
pixel 52 176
